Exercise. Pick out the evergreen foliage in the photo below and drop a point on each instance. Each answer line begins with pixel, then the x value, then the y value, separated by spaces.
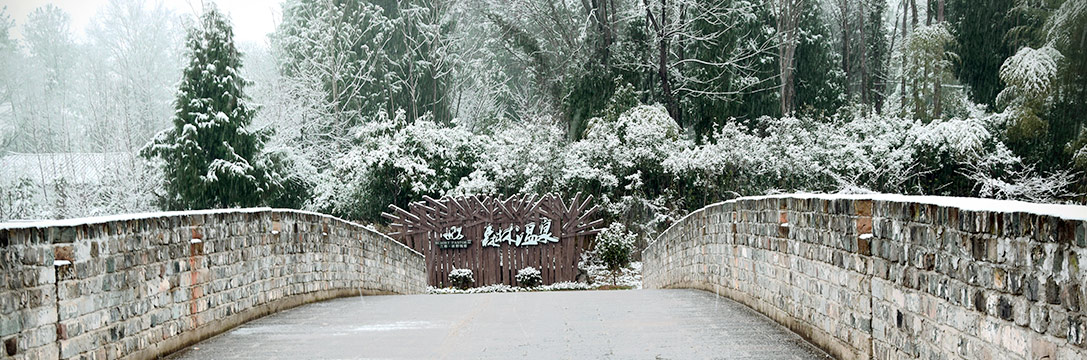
pixel 210 158
pixel 820 83
pixel 974 24
pixel 614 246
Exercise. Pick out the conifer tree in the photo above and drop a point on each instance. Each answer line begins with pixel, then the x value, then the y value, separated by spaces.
pixel 210 155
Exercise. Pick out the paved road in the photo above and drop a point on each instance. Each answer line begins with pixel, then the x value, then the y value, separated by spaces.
pixel 634 324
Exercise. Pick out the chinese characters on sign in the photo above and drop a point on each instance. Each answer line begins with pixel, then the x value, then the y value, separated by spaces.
pixel 496 237
pixel 512 235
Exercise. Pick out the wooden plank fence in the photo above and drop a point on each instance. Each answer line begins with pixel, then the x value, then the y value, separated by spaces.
pixel 497 237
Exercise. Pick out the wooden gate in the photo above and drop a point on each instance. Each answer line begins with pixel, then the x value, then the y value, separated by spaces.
pixel 495 238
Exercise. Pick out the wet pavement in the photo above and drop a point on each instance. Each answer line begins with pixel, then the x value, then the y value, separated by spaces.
pixel 621 324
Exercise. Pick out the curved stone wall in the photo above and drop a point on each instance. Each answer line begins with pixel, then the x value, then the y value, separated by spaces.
pixel 143 286
pixel 893 277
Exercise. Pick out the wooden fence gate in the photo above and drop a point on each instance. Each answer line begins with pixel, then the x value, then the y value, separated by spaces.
pixel 495 238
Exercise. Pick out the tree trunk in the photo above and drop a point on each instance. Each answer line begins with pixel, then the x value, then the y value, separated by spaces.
pixel 843 9
pixel 864 57
pixel 913 8
pixel 928 13
pixel 913 82
pixel 937 103
pixel 662 68
pixel 788 17
pixel 902 94
pixel 940 11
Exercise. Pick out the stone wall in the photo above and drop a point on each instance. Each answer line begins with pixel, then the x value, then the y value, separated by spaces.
pixel 893 277
pixel 145 286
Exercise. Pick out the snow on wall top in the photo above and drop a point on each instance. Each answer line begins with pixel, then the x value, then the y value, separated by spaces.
pixel 1069 212
pixel 164 214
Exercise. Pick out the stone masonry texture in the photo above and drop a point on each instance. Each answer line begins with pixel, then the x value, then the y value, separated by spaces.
pixel 143 287
pixel 883 279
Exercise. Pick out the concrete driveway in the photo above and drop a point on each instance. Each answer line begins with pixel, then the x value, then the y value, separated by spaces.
pixel 631 324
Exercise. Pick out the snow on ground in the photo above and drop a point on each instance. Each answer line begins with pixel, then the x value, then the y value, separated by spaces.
pixel 503 288
pixel 630 277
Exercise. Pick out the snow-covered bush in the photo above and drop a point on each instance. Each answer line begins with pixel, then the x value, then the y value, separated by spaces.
pixel 639 140
pixel 529 277
pixel 503 288
pixel 394 162
pixel 614 246
pixel 621 159
pixel 18 200
pixel 1030 77
pixel 462 278
pixel 517 158
pixel 740 161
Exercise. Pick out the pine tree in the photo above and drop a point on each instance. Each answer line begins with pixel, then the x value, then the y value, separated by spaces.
pixel 819 83
pixel 210 155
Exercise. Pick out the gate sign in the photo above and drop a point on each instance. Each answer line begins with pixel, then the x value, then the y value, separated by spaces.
pixel 495 238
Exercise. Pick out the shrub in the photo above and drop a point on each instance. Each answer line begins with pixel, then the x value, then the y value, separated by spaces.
pixel 462 278
pixel 614 246
pixel 529 277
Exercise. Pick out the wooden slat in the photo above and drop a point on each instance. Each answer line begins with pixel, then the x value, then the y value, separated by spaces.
pixel 421 225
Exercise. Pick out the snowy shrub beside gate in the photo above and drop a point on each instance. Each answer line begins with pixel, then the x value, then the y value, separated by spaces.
pixel 462 278
pixel 614 246
pixel 529 277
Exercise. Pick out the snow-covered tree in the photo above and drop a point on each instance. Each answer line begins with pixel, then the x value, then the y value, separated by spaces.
pixel 1029 77
pixel 395 162
pixel 370 56
pixel 210 156
pixel 927 54
pixel 133 62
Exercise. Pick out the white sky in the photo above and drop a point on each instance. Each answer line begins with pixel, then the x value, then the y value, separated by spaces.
pixel 252 19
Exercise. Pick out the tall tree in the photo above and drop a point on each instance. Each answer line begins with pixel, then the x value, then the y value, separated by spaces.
pixel 820 82
pixel 134 63
pixel 937 103
pixel 370 55
pixel 46 111
pixel 724 88
pixel 979 28
pixel 787 14
pixel 705 52
pixel 9 57
pixel 875 51
pixel 210 156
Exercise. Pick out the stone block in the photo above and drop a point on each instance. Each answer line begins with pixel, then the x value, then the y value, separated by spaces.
pixel 1021 311
pixel 1070 296
pixel 863 207
pixel 1039 319
pixel 65 252
pixel 1077 331
pixel 864 225
pixel 11 346
pixel 1004 308
pixel 1081 234
pixel 61 235
pixel 1058 323
pixel 1030 288
pixel 1052 291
